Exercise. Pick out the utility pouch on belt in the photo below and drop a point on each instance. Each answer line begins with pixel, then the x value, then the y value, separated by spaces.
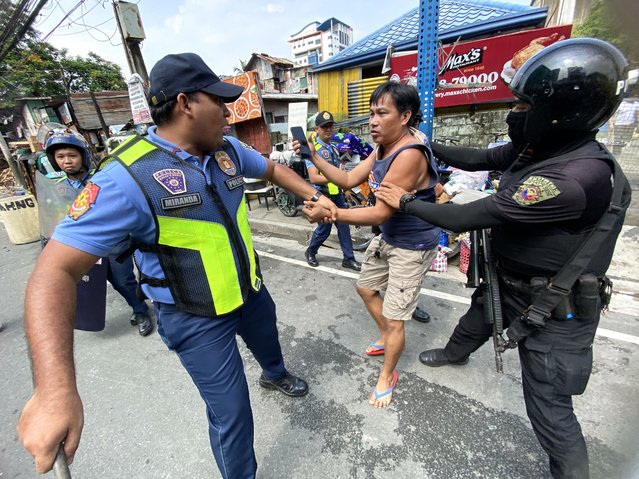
pixel 586 297
pixel 538 290
pixel 538 286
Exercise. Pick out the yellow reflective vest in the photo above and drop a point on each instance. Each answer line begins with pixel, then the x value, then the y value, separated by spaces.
pixel 203 239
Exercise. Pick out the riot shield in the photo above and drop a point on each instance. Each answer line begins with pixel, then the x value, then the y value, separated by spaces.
pixel 54 198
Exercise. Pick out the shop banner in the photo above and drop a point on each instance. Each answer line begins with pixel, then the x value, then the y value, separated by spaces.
pixel 249 105
pixel 479 71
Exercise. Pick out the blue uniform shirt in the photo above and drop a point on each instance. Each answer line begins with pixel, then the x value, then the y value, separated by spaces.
pixel 78 184
pixel 333 158
pixel 118 209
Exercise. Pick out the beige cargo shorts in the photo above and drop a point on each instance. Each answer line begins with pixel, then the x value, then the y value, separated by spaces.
pixel 398 272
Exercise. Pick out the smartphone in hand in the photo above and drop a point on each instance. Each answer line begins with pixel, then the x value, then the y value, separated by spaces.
pixel 298 134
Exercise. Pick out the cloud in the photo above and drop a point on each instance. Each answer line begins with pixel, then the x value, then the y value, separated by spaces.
pixel 221 31
pixel 274 8
pixel 175 23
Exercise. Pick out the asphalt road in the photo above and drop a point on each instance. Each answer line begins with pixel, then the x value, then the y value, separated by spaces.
pixel 144 418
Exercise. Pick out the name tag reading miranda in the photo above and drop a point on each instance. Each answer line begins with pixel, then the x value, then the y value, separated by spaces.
pixel 173 202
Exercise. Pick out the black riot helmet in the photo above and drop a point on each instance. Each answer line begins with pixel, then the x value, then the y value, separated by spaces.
pixel 573 86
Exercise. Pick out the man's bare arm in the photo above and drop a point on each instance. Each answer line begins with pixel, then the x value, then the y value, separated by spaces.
pixel 343 179
pixel 409 170
pixel 54 412
pixel 50 312
pixel 315 177
pixel 289 180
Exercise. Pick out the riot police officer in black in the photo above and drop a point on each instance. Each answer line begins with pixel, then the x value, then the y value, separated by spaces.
pixel 555 187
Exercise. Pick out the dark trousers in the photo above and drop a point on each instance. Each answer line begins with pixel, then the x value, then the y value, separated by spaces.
pixel 556 361
pixel 122 278
pixel 207 348
pixel 323 231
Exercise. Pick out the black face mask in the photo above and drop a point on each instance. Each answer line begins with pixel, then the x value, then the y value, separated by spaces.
pixel 516 121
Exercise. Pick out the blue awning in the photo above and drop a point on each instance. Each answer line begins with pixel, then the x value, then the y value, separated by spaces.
pixel 457 20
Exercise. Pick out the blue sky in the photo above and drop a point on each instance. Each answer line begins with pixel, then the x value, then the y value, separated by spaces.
pixel 221 31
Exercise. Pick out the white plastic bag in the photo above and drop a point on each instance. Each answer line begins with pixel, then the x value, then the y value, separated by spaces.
pixel 465 180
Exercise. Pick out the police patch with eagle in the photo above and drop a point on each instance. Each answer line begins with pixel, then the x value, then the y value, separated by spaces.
pixel 84 201
pixel 535 190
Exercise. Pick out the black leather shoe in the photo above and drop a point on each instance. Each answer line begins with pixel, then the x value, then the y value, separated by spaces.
pixel 310 258
pixel 143 322
pixel 421 315
pixel 352 264
pixel 437 357
pixel 289 385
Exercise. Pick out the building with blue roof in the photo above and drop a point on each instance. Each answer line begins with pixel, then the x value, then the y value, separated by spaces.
pixel 359 67
pixel 458 20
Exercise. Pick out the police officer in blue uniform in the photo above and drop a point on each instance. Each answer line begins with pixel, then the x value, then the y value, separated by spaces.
pixel 178 195
pixel 69 155
pixel 555 189
pixel 324 123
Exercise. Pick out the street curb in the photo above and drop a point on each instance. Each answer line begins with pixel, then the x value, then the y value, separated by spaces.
pixel 299 233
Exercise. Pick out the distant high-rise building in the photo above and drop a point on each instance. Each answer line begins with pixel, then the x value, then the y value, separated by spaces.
pixel 317 42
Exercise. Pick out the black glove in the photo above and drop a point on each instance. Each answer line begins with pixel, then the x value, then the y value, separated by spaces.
pixel 518 330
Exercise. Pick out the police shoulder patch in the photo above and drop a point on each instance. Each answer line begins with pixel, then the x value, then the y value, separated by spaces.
pixel 535 190
pixel 225 163
pixel 245 146
pixel 84 201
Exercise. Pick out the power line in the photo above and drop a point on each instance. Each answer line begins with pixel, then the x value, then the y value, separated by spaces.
pixel 23 29
pixel 13 22
pixel 52 8
pixel 87 27
pixel 63 19
pixel 72 21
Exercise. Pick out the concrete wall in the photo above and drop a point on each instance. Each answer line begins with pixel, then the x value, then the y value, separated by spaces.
pixel 476 130
pixel 562 12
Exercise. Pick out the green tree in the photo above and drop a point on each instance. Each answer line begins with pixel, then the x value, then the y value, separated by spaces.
pixel 611 20
pixel 92 73
pixel 34 68
pixel 241 69
pixel 40 69
pixel 31 71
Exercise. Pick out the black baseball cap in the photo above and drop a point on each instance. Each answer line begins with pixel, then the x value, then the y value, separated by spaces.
pixel 324 117
pixel 187 73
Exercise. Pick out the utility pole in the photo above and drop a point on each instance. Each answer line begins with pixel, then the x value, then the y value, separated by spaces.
pixel 129 23
pixel 427 61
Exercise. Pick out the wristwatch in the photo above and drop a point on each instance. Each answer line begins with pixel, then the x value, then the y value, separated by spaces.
pixel 404 200
pixel 315 198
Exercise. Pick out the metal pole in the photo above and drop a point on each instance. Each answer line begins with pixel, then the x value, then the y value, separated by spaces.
pixel 131 48
pixel 127 52
pixel 60 466
pixel 138 61
pixel 427 61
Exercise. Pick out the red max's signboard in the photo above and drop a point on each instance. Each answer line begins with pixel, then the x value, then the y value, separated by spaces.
pixel 479 71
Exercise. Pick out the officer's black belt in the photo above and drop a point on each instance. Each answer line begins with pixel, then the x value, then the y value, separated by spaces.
pixel 154 282
pixel 519 285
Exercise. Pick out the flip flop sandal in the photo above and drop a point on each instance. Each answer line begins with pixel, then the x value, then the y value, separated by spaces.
pixel 388 391
pixel 378 351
